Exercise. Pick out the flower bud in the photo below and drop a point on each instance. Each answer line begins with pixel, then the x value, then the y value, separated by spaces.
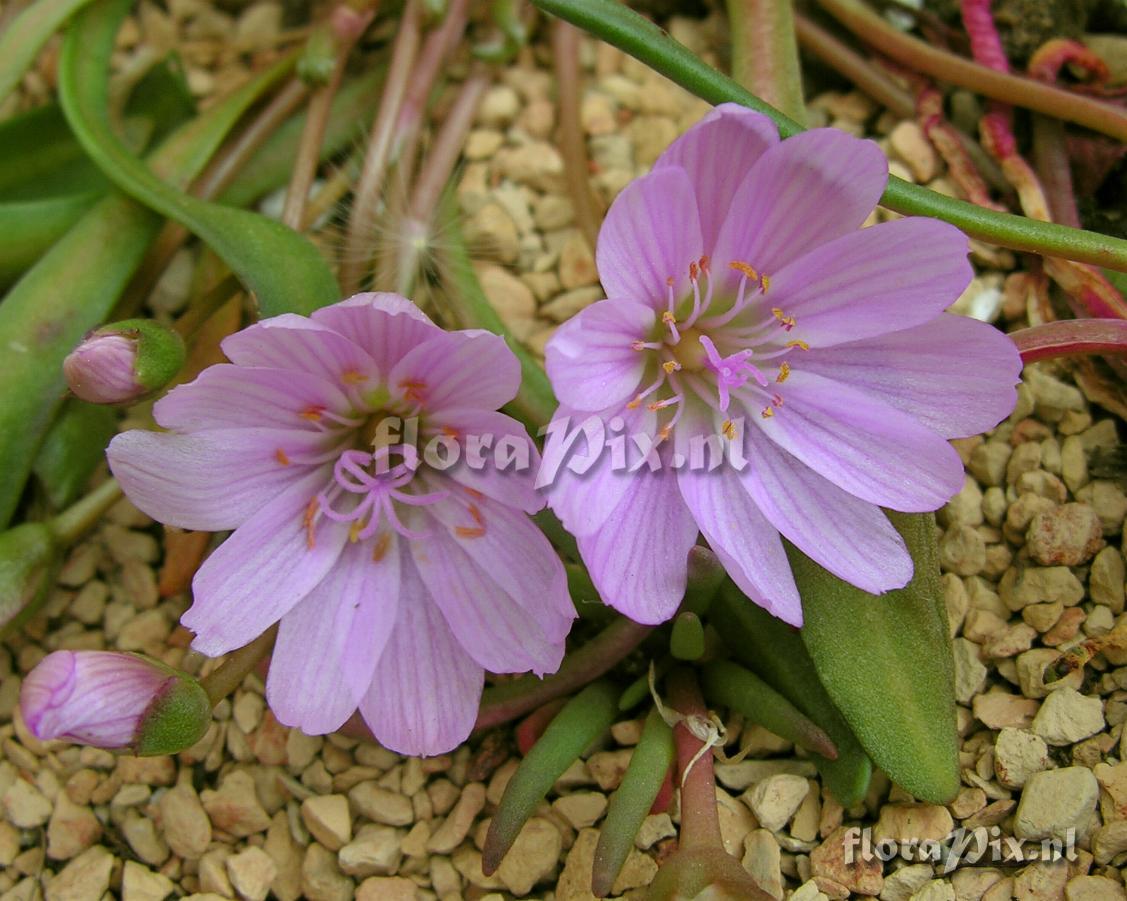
pixel 124 362
pixel 114 700
pixel 28 555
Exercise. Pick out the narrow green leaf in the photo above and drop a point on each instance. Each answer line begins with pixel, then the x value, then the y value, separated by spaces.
pixel 30 227
pixel 73 449
pixel 728 684
pixel 75 285
pixel 886 662
pixel 686 642
pixel 283 270
pixel 29 556
pixel 629 805
pixel 22 40
pixel 39 158
pixel 624 28
pixel 775 652
pixel 583 719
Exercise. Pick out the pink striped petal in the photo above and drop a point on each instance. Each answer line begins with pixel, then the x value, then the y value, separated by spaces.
pixel 747 543
pixel 213 480
pixel 458 369
pixel 870 449
pixel 591 359
pixel 955 375
pixel 877 280
pixel 299 344
pixel 717 153
pixel 424 695
pixel 810 189
pixel 236 397
pixel 328 645
pixel 638 560
pixel 849 537
pixel 650 235
pixel 260 573
pixel 386 326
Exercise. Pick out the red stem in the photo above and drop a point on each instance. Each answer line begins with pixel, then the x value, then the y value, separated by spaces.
pixel 1071 337
pixel 700 822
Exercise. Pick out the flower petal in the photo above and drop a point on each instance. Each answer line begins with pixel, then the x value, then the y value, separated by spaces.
pixel 956 375
pixel 511 551
pixel 497 457
pixel 851 538
pixel 591 359
pixel 650 235
pixel 748 545
pixel 500 634
pixel 213 480
pixel 260 573
pixel 877 280
pixel 386 326
pixel 237 397
pixel 810 189
pixel 581 477
pixel 424 696
pixel 870 449
pixel 717 153
pixel 458 369
pixel 329 644
pixel 639 558
pixel 295 342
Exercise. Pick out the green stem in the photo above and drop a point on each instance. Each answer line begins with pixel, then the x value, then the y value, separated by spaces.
pixel 1024 92
pixel 765 53
pixel 76 520
pixel 229 675
pixel 625 29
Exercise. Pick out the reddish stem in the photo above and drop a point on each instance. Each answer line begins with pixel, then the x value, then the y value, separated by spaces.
pixel 1071 337
pixel 700 822
pixel 1045 64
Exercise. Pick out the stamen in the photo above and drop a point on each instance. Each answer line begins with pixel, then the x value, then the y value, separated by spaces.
pixel 280 456
pixel 414 390
pixel 670 366
pixel 801 345
pixel 637 401
pixel 767 413
pixel 353 377
pixel 746 269
pixel 669 319
pixel 743 296
pixel 313 414
pixel 787 322
pixel 308 520
pixel 784 372
pixel 379 551
pixel 728 429
pixel 645 345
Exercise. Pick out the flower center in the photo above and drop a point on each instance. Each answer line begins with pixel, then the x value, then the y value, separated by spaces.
pixel 690 352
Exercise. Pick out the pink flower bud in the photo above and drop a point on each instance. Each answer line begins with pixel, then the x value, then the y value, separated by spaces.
pixel 101 370
pixel 97 697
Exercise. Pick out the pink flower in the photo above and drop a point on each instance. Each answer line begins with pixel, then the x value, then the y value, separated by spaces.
pixel 95 697
pixel 747 305
pixel 397 580
pixel 100 370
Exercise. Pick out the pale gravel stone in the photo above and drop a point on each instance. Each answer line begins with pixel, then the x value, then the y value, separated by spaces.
pixel 185 824
pixel 532 858
pixel 1054 801
pixel 1106 579
pixel 328 820
pixel 86 878
pixel 251 872
pixel 654 828
pixel 761 859
pixel 457 825
pixel 581 809
pixel 376 851
pixel 902 884
pixel 139 883
pixel 1017 756
pixel 1094 888
pixel 1067 717
pixel 903 822
pixel 775 799
pixel 970 674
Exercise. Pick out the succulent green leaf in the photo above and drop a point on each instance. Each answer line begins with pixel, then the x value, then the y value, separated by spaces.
pixel 74 448
pixel 727 684
pixel 886 662
pixel 73 287
pixel 687 639
pixel 582 720
pixel 775 652
pixel 25 36
pixel 283 270
pixel 629 805
pixel 29 556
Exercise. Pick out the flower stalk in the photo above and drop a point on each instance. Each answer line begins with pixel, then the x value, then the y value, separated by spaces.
pixel 229 675
pixel 765 53
pixel 573 146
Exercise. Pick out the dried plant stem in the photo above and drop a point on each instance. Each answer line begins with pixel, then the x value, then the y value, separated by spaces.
pixel 1024 92
pixel 229 675
pixel 573 146
pixel 313 135
pixel 367 195
pixel 765 53
pixel 847 62
pixel 1050 157
pixel 1071 337
pixel 435 175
